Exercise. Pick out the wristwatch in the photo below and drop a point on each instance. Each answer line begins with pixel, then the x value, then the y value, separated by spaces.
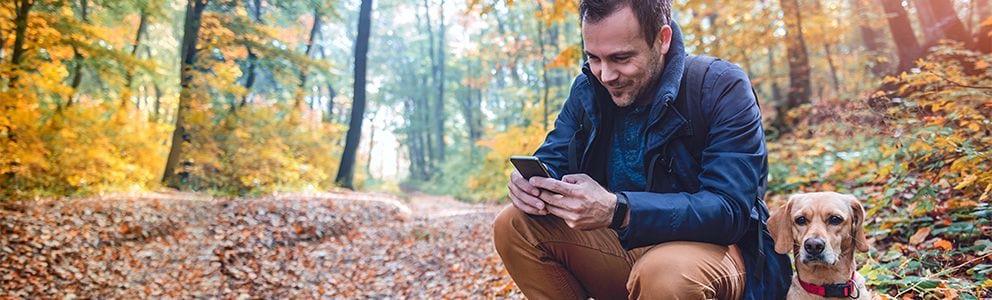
pixel 620 211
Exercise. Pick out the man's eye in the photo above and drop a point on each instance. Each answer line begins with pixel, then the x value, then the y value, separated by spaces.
pixel 835 220
pixel 801 221
pixel 621 58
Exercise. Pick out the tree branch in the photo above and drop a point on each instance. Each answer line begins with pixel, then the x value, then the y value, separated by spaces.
pixel 977 87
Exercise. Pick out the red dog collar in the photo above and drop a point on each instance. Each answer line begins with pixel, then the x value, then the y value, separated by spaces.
pixel 840 290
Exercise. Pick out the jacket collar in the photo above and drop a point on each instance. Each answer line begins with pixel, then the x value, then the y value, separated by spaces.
pixel 667 89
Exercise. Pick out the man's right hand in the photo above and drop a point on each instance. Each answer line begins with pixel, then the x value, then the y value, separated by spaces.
pixel 525 196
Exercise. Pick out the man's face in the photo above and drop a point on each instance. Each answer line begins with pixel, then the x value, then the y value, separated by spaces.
pixel 620 57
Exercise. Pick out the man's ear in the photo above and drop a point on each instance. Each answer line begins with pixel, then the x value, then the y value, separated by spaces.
pixel 664 38
pixel 858 228
pixel 780 227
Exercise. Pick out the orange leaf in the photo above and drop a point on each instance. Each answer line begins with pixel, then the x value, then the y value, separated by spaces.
pixel 944 244
pixel 919 236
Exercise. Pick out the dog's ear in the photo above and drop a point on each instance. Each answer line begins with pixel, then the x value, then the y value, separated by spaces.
pixel 858 230
pixel 780 227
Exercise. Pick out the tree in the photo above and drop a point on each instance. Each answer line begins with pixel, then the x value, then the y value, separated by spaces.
pixel 436 53
pixel 983 36
pixel 799 69
pixel 314 32
pixel 77 71
pixel 938 20
pixel 907 47
pixel 191 33
pixel 346 171
pixel 252 60
pixel 22 9
pixel 139 33
pixel 869 37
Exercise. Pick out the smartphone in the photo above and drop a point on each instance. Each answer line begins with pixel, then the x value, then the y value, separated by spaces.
pixel 530 166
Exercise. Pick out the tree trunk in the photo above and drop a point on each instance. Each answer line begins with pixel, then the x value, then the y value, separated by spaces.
pixel 799 69
pixel 250 80
pixel 129 76
pixel 983 36
pixel 158 93
pixel 928 23
pixel 776 91
pixel 428 132
pixel 158 103
pixel 252 60
pixel 314 31
pixel 413 141
pixel 939 21
pixel 23 8
pixel 77 59
pixel 902 33
pixel 346 171
pixel 439 115
pixel 3 41
pixel 331 93
pixel 834 78
pixel 869 36
pixel 368 158
pixel 426 135
pixel 328 116
pixel 191 33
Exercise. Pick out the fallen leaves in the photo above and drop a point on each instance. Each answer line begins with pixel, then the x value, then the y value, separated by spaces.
pixel 920 235
pixel 254 248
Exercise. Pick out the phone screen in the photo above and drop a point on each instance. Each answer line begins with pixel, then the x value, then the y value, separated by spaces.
pixel 529 166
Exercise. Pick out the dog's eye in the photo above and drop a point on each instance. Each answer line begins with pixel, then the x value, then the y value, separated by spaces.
pixel 801 220
pixel 835 220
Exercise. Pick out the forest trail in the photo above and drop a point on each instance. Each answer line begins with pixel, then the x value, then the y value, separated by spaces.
pixel 299 245
pixel 433 206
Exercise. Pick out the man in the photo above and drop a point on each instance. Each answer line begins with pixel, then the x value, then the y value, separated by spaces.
pixel 664 193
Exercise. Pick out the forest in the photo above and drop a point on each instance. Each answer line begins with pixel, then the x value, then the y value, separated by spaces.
pixel 359 148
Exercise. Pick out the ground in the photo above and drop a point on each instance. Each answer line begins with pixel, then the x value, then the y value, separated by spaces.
pixel 181 245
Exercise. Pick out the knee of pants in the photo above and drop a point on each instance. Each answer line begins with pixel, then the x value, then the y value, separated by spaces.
pixel 672 269
pixel 661 272
pixel 505 227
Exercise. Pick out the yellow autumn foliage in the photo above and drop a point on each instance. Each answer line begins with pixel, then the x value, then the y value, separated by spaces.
pixel 257 151
pixel 490 181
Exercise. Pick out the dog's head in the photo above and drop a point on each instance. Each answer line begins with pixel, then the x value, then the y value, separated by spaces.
pixel 821 224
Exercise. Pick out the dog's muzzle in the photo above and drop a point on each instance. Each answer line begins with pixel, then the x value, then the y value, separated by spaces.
pixel 815 251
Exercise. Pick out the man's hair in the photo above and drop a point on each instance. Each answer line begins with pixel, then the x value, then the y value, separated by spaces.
pixel 651 14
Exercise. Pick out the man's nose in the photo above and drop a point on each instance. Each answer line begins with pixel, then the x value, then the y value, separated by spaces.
pixel 608 73
pixel 814 245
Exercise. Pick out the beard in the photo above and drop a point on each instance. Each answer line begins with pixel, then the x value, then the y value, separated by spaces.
pixel 645 89
pixel 646 93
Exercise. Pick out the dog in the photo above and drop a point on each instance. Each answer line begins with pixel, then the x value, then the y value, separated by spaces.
pixel 823 230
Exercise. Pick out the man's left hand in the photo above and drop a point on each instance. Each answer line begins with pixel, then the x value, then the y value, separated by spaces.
pixel 578 200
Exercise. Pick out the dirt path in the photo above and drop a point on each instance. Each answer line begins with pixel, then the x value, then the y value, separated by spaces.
pixel 433 206
pixel 303 245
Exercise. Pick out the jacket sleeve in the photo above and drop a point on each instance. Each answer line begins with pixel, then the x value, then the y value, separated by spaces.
pixel 554 151
pixel 732 166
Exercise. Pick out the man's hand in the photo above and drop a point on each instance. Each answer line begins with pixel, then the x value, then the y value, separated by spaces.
pixel 578 200
pixel 525 196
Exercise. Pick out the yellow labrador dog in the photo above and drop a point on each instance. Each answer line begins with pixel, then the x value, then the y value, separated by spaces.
pixel 823 230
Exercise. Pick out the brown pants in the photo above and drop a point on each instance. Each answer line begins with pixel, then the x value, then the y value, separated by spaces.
pixel 549 260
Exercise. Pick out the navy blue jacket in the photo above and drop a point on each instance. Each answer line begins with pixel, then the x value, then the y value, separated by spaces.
pixel 707 192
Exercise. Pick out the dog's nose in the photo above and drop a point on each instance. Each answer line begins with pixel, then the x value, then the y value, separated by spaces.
pixel 814 246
